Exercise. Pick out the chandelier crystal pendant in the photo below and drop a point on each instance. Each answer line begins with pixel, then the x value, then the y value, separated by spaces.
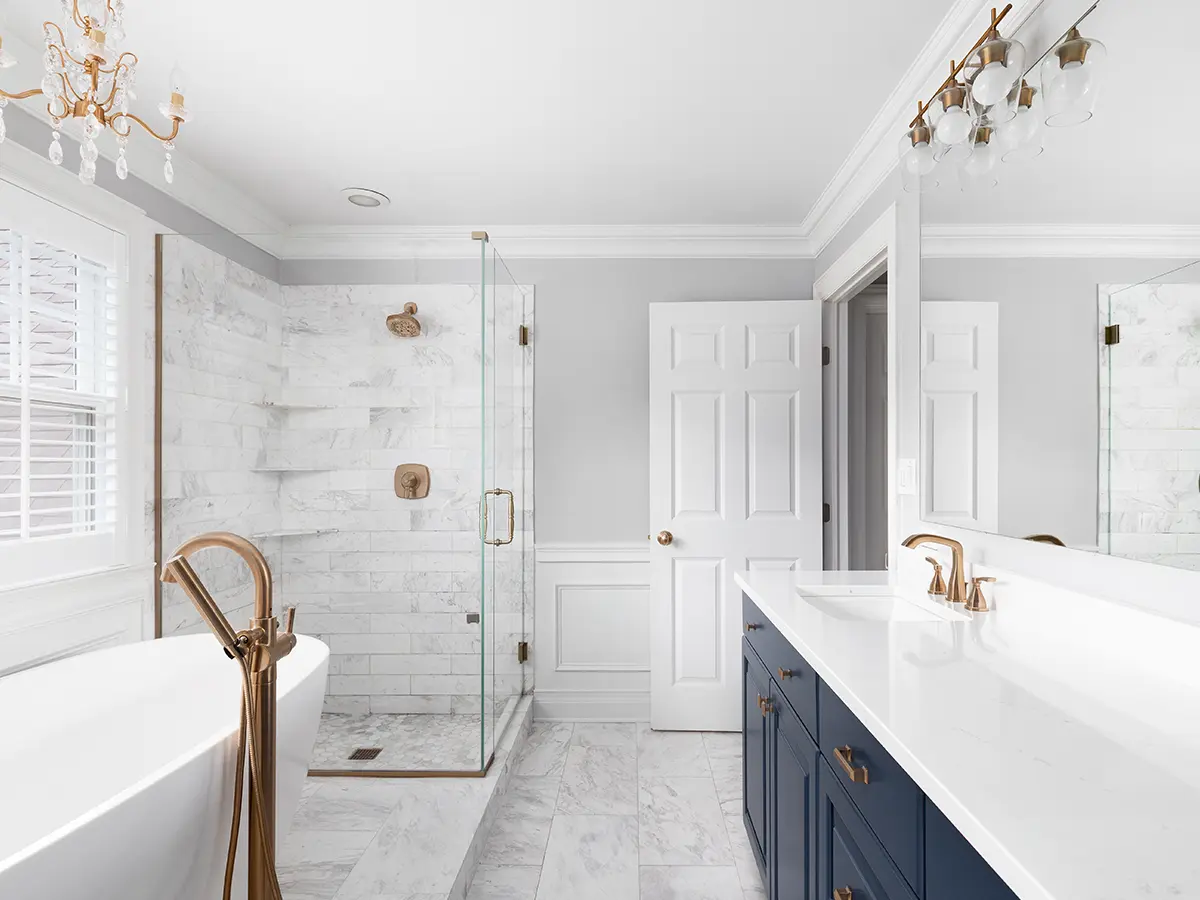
pixel 87 80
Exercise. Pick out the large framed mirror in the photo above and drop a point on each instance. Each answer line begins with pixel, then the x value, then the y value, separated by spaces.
pixel 1038 419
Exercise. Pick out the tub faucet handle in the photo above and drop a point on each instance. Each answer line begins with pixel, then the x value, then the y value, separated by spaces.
pixel 290 626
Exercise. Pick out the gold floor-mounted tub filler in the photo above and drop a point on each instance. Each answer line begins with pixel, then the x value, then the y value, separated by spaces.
pixel 257 650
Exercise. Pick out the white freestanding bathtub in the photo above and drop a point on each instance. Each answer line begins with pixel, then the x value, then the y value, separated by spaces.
pixel 116 769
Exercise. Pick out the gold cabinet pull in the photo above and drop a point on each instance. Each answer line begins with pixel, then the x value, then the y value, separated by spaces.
pixel 843 894
pixel 752 626
pixel 665 538
pixel 845 758
pixel 512 517
pixel 786 673
pixel 766 706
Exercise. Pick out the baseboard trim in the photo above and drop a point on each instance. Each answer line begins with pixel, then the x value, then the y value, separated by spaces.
pixel 591 706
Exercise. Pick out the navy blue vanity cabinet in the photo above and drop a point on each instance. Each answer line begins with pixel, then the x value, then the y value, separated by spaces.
pixel 756 688
pixel 792 803
pixel 953 868
pixel 851 863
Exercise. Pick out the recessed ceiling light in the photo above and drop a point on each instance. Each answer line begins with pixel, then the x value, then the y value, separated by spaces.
pixel 365 197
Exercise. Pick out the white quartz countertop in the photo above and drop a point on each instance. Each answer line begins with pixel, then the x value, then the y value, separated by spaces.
pixel 1074 780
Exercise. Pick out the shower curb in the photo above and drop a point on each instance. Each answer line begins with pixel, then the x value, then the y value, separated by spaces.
pixel 497 780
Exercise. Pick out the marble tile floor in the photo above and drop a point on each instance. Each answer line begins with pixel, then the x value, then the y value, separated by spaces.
pixel 620 812
pixel 605 811
pixel 416 742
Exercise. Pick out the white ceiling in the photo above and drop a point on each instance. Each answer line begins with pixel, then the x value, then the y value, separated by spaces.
pixel 1135 162
pixel 525 112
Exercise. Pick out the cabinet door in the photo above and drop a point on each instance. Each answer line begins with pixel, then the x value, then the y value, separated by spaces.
pixel 755 688
pixel 953 868
pixel 850 859
pixel 793 804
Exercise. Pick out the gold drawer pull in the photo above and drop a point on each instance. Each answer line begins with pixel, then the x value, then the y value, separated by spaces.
pixel 843 894
pixel 786 673
pixel 845 758
pixel 751 626
pixel 767 706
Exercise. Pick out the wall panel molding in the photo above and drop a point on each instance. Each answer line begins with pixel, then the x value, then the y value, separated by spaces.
pixel 591 647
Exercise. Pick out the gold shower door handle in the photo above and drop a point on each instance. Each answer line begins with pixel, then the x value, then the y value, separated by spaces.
pixel 512 516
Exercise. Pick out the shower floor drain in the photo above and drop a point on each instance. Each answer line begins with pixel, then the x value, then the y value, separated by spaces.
pixel 366 753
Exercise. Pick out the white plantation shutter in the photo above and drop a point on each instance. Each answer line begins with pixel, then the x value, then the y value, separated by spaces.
pixel 58 391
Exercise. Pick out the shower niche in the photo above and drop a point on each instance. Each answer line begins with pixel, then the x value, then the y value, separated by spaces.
pixel 384 468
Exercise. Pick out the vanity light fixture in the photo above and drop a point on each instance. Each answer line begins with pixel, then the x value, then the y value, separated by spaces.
pixel 987 107
pixel 1069 79
pixel 87 80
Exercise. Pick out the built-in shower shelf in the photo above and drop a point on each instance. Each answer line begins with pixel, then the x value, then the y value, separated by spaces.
pixel 271 404
pixel 294 532
pixel 286 469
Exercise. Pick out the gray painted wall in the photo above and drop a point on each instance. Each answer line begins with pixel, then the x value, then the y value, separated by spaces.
pixel 32 133
pixel 591 369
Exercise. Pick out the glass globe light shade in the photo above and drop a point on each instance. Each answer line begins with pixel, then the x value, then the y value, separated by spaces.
pixel 1070 80
pixel 983 156
pixel 999 64
pixel 917 150
pixel 954 121
pixel 1021 138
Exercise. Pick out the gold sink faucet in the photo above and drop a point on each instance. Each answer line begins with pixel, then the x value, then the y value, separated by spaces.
pixel 956 590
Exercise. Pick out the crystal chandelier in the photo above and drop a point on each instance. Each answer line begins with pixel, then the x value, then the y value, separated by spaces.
pixel 89 81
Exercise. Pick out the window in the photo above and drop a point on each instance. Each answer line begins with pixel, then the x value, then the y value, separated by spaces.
pixel 58 389
pixel 71 411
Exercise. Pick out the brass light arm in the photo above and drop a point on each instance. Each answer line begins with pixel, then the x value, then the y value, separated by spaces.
pixel 113 93
pixel 62 38
pixel 21 96
pixel 956 68
pixel 120 62
pixel 162 137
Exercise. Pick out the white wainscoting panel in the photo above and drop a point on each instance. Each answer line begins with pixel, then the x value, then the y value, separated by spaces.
pixel 591 646
pixel 51 620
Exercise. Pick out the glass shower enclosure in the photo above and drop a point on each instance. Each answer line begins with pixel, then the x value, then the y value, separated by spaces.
pixel 368 424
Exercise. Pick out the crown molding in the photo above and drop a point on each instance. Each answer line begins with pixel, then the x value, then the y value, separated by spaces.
pixel 1060 241
pixel 195 187
pixel 873 158
pixel 550 242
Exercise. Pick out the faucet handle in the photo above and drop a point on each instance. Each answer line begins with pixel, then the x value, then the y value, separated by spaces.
pixel 976 601
pixel 938 585
pixel 290 626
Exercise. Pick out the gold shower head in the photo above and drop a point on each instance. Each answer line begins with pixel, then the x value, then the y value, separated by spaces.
pixel 405 324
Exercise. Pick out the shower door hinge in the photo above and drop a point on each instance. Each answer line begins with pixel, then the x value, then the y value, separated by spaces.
pixel 1112 334
pixel 523 335
pixel 824 356
pixel 522 651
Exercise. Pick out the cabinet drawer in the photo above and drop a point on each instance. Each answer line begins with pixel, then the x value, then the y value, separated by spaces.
pixel 851 861
pixel 788 669
pixel 890 801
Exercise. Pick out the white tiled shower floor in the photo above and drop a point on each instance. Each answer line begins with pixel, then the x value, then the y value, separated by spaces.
pixel 408 742
pixel 592 812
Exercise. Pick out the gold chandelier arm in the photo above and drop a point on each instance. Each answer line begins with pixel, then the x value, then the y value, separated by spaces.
pixel 112 120
pixel 956 68
pixel 62 38
pixel 21 96
pixel 79 20
pixel 113 93
pixel 121 62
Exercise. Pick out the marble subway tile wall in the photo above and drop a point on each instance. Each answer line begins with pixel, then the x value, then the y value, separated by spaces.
pixel 1150 424
pixel 387 582
pixel 222 340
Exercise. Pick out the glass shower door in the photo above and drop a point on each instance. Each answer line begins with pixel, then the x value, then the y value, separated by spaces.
pixel 505 537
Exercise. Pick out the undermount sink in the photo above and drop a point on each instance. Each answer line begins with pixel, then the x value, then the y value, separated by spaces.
pixel 880 608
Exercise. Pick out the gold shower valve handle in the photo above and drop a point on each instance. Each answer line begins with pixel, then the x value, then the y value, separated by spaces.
pixel 290 621
pixel 665 538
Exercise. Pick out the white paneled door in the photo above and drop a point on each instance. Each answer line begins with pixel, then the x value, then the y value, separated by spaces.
pixel 960 402
pixel 735 484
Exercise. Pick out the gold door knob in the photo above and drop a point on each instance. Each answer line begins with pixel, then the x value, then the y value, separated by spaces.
pixel 665 537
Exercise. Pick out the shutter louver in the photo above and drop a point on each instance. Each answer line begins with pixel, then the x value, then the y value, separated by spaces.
pixel 58 390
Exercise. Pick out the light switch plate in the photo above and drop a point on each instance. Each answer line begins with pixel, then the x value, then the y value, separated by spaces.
pixel 906 476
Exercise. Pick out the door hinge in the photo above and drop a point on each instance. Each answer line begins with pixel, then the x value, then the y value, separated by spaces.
pixel 1112 334
pixel 523 335
pixel 824 356
pixel 825 512
pixel 522 651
